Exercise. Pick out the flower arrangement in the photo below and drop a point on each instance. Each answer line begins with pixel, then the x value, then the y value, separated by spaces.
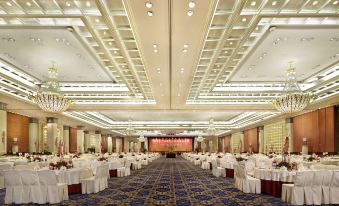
pixel 197 158
pixel 102 159
pixel 219 156
pixel 76 156
pixel 239 159
pixel 121 156
pixel 60 164
pixel 313 157
pixel 37 159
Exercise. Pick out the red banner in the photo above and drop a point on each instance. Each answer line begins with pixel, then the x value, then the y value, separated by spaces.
pixel 165 144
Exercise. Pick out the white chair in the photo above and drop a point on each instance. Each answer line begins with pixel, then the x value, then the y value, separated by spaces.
pixel 249 184
pixel 309 175
pixel 92 184
pixel 13 186
pixel 128 164
pixel 218 171
pixel 334 188
pixel 205 165
pixel 104 176
pixel 2 178
pixel 294 193
pixel 316 186
pixel 52 191
pixel 237 177
pixel 31 187
pixel 325 187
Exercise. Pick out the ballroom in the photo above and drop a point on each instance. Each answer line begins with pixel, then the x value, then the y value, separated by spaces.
pixel 169 102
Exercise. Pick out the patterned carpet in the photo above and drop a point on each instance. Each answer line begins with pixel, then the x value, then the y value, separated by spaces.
pixel 170 182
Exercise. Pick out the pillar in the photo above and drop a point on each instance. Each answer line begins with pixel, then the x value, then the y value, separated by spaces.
pixel 33 135
pixel 289 133
pixel 109 144
pixel 80 139
pixel 52 134
pixel 87 142
pixel 97 141
pixel 242 141
pixel 66 139
pixel 146 144
pixel 3 128
pixel 261 139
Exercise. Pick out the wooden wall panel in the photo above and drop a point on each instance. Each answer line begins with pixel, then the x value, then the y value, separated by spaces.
pixel 72 140
pixel 318 127
pixel 104 142
pixel 227 144
pixel 251 137
pixel 17 127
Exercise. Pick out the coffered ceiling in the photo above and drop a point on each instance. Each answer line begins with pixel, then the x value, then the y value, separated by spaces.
pixel 171 64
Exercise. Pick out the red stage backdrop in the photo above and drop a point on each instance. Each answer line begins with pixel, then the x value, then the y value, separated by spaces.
pixel 179 144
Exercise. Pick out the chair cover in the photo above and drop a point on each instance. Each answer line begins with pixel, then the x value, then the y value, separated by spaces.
pixel 334 188
pixel 31 187
pixel 52 191
pixel 13 186
pixel 309 175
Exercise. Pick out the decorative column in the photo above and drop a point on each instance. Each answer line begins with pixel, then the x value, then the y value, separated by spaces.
pixel 3 128
pixel 33 135
pixel 52 134
pixel 109 143
pixel 289 133
pixel 87 142
pixel 80 139
pixel 97 141
pixel 261 139
pixel 66 139
pixel 242 141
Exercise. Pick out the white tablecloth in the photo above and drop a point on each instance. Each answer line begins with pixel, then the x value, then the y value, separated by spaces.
pixel 274 174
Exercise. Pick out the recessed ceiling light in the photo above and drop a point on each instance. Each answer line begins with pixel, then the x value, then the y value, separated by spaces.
pixel 185 45
pixel 155 50
pixel 9 3
pixel 115 52
pixel 148 5
pixel 190 13
pixel 150 13
pixel 110 43
pixel 335 2
pixel 68 4
pixel 178 95
pixel 226 52
pixel 274 3
pixel 315 3
pixel 155 46
pixel 104 33
pixel 184 50
pixel 231 43
pixel 244 19
pixel 97 20
pixel 88 4
pixel 191 4
pixel 253 3
pixel 28 3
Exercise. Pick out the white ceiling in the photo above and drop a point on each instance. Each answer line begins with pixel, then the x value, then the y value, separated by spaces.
pixel 70 56
pixel 114 40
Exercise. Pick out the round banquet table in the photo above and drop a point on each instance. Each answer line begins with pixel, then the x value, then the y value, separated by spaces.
pixel 272 179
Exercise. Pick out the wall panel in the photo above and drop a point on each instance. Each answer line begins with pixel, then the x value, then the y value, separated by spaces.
pixel 251 138
pixel 17 127
pixel 73 140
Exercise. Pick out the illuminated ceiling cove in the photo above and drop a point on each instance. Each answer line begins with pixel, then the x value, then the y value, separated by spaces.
pixel 183 62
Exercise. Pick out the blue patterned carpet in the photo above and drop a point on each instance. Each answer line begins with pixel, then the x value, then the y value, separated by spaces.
pixel 170 182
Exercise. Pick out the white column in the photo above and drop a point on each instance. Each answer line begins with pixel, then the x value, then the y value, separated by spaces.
pixel 33 134
pixel 146 144
pixel 118 145
pixel 97 141
pixel 242 142
pixel 289 133
pixel 52 134
pixel 80 139
pixel 66 139
pixel 3 128
pixel 87 141
pixel 109 143
pixel 261 140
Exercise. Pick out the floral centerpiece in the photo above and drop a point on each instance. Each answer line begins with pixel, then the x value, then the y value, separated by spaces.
pixel 239 159
pixel 121 156
pixel 76 155
pixel 102 159
pixel 37 159
pixel 312 158
pixel 197 158
pixel 60 164
pixel 219 156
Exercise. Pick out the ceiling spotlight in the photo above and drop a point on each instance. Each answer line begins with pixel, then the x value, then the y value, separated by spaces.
pixel 253 3
pixel 184 50
pixel 190 13
pixel 68 4
pixel 155 50
pixel 115 52
pixel 191 4
pixel 149 5
pixel 8 3
pixel 335 2
pixel 231 43
pixel 150 13
pixel 155 46
pixel 244 19
pixel 182 70
pixel 274 3
pixel 185 45
pixel 110 43
pixel 88 4
pixel 97 20
pixel 28 3
pixel 158 70
pixel 314 3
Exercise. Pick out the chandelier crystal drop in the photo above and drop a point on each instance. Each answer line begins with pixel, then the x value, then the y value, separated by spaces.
pixel 48 96
pixel 141 138
pixel 292 99
pixel 211 130
pixel 130 130
pixel 200 138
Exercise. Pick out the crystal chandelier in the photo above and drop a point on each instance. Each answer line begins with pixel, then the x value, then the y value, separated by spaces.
pixel 141 138
pixel 292 99
pixel 200 138
pixel 48 96
pixel 211 130
pixel 130 130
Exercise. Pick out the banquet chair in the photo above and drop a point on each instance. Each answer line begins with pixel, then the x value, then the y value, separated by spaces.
pixel 205 164
pixel 325 187
pixel 249 184
pixel 294 193
pixel 309 178
pixel 237 178
pixel 217 171
pixel 128 164
pixel 31 187
pixel 104 176
pixel 92 184
pixel 2 177
pixel 316 186
pixel 334 188
pixel 14 187
pixel 52 191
